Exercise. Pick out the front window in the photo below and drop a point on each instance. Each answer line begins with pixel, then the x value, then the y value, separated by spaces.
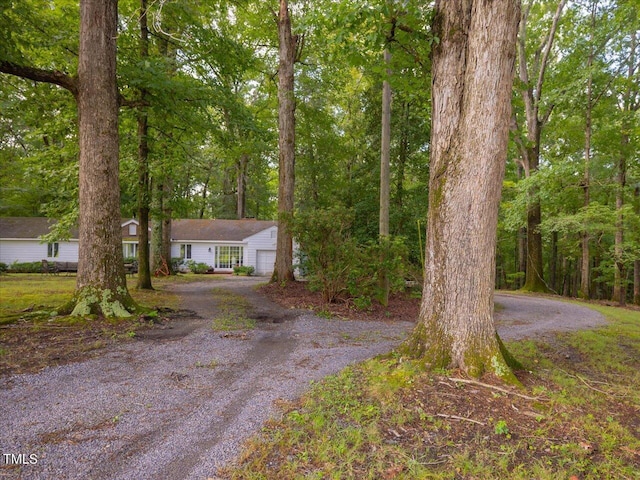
pixel 185 251
pixel 229 257
pixel 130 250
pixel 52 250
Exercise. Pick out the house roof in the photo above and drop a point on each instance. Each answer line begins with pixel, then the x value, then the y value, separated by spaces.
pixel 181 230
pixel 27 227
pixel 217 230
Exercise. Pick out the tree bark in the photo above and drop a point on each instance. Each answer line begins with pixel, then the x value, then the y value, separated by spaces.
pixel 553 263
pixel 473 68
pixel 161 229
pixel 167 214
pixel 636 282
pixel 283 269
pixel 636 263
pixel 385 176
pixel 629 107
pixel 403 153
pixel 101 283
pixel 241 167
pixel 585 277
pixel 385 151
pixel 535 121
pixel 144 204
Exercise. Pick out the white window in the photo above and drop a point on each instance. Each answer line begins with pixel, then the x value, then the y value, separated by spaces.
pixel 52 250
pixel 185 251
pixel 274 233
pixel 130 250
pixel 132 230
pixel 229 256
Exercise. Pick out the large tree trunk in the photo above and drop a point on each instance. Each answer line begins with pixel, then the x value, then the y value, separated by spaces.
pixel 636 282
pixel 532 83
pixel 144 207
pixel 471 96
pixel 403 153
pixel 385 152
pixel 385 176
pixel 553 263
pixel 101 284
pixel 241 168
pixel 283 270
pixel 144 203
pixel 585 279
pixel 585 290
pixel 636 263
pixel 629 107
pixel 167 214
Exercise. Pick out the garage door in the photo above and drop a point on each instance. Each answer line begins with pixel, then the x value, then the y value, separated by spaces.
pixel 265 260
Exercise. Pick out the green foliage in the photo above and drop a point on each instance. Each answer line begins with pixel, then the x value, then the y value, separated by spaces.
pixel 337 265
pixel 25 267
pixel 3 267
pixel 198 267
pixel 245 270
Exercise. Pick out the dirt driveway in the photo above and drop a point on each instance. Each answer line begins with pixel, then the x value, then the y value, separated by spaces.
pixel 177 403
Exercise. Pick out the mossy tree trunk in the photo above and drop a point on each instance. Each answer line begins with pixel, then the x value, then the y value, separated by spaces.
pixel 473 69
pixel 288 44
pixel 101 285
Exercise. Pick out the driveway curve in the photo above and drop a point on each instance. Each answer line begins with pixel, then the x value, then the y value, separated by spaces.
pixel 523 316
pixel 178 404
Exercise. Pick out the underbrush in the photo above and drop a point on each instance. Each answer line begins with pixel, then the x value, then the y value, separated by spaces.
pixel 576 417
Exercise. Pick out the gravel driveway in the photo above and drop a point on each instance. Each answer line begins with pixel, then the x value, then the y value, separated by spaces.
pixel 178 406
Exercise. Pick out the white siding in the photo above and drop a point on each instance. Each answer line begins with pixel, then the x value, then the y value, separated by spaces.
pixel 34 251
pixel 68 252
pixel 199 251
pixel 264 241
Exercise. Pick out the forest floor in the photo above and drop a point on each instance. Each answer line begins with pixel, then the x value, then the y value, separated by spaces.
pixel 175 397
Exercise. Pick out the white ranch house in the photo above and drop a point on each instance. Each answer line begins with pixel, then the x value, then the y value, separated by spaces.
pixel 221 244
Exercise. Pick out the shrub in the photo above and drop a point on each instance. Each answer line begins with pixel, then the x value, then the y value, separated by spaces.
pixel 25 267
pixel 384 257
pixel 337 265
pixel 327 253
pixel 3 267
pixel 176 263
pixel 198 267
pixel 243 270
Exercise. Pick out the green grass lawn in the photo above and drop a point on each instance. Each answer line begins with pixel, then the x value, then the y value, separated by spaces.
pixel 577 417
pixel 33 337
pixel 36 292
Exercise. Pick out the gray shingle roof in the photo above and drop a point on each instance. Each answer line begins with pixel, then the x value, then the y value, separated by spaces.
pixel 218 230
pixel 181 230
pixel 27 227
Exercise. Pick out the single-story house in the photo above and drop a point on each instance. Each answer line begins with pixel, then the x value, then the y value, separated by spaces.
pixel 221 244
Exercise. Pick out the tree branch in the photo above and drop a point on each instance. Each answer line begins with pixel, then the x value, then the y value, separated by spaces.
pixel 39 75
pixel 547 49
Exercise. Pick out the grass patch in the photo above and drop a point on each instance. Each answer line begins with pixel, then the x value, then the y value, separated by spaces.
pixel 33 336
pixel 26 296
pixel 578 416
pixel 232 311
